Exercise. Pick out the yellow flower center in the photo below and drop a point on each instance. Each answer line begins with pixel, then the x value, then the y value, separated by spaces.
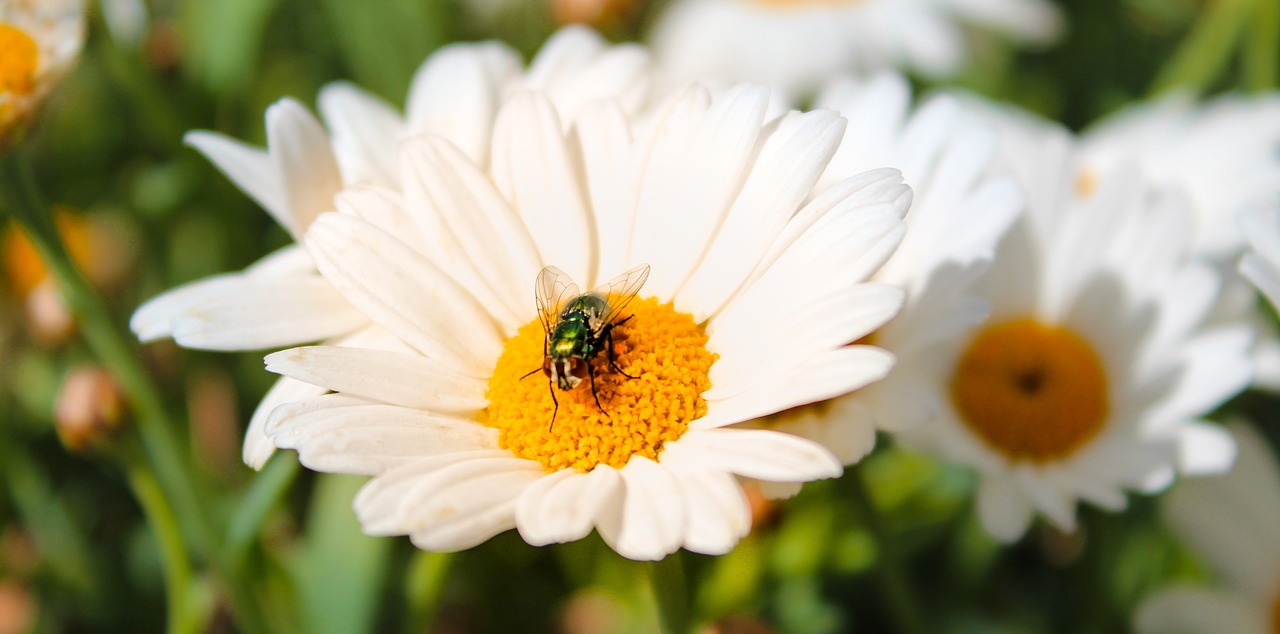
pixel 18 57
pixel 1032 392
pixel 666 352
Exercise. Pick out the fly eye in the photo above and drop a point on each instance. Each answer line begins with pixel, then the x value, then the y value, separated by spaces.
pixel 546 367
pixel 577 367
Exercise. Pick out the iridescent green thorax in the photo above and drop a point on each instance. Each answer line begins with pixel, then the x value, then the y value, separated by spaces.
pixel 572 337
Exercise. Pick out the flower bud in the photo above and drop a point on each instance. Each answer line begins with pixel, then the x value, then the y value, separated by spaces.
pixel 90 408
pixel 603 14
pixel 17 608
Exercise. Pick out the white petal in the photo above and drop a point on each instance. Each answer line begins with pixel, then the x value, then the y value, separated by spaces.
pixel 576 67
pixel 386 210
pixel 1057 505
pixel 153 320
pixel 563 506
pixel 257 445
pixel 647 521
pixel 602 135
pixel 455 94
pixel 256 313
pixel 451 494
pixel 408 380
pixel 1204 448
pixel 404 293
pixel 367 439
pixel 788 334
pixel 366 131
pixel 717 514
pixel 250 168
pixel 308 169
pixel 454 197
pixel 287 261
pixel 471 507
pixel 1002 508
pixel 754 453
pixel 1215 368
pixel 829 243
pixel 692 174
pixel 788 164
pixel 532 168
pixel 825 376
pixel 1230 519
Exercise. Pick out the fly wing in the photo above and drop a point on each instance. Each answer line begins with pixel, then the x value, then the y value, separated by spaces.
pixel 553 289
pixel 621 290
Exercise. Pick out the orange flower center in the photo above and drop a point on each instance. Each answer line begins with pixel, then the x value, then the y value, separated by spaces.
pixel 665 350
pixel 1030 391
pixel 18 57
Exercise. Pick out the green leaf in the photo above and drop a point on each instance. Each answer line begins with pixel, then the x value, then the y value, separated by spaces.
pixel 1203 55
pixel 1261 54
pixel 339 572
pixel 384 41
pixel 223 40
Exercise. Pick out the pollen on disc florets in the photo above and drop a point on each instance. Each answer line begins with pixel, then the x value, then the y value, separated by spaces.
pixel 1031 391
pixel 664 349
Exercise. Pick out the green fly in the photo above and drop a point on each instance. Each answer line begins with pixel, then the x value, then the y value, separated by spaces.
pixel 579 325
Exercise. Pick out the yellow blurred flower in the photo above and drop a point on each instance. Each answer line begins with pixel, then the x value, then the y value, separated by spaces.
pixel 39 39
pixel 101 247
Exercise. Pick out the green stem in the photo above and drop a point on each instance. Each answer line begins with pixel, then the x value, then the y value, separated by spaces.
pixel 670 590
pixel 1204 53
pixel 182 618
pixel 268 487
pixel 904 605
pixel 114 348
pixel 1260 59
pixel 425 582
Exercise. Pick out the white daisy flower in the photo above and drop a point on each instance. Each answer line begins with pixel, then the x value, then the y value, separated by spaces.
pixel 958 215
pixel 39 41
pixel 1232 520
pixel 1096 364
pixel 796 46
pixel 1225 154
pixel 281 300
pixel 753 293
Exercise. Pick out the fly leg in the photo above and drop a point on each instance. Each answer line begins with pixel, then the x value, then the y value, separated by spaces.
pixel 592 373
pixel 608 336
pixel 552 388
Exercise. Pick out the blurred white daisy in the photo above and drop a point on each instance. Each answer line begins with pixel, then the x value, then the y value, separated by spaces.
pixel 1232 521
pixel 796 46
pixel 753 294
pixel 1225 154
pixel 1092 373
pixel 281 300
pixel 39 41
pixel 958 214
